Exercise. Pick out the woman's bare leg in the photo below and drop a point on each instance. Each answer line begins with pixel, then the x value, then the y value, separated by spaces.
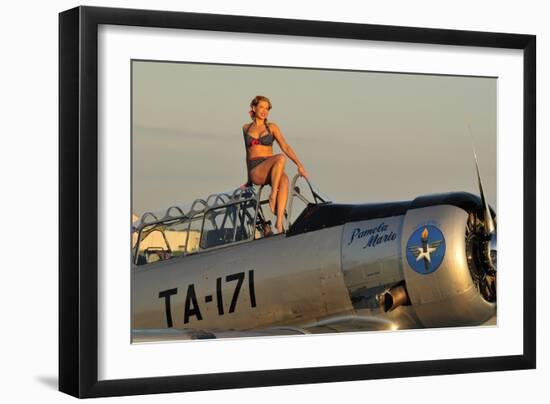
pixel 276 174
pixel 270 171
pixel 281 201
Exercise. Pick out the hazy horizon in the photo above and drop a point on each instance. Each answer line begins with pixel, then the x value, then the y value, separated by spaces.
pixel 362 136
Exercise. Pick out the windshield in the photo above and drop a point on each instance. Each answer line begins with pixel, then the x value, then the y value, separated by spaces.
pixel 320 197
pixel 302 194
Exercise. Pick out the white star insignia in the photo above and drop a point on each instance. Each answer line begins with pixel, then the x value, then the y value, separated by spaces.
pixel 422 254
pixel 419 252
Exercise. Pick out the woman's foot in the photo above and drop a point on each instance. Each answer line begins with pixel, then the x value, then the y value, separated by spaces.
pixel 280 228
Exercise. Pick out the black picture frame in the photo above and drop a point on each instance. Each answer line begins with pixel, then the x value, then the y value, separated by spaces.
pixel 78 200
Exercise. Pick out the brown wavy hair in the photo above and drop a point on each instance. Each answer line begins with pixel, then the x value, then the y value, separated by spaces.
pixel 254 103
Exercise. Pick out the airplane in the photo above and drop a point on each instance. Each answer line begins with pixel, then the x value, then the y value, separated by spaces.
pixel 218 271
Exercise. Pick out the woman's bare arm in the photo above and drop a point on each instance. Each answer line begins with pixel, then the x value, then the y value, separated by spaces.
pixel 285 147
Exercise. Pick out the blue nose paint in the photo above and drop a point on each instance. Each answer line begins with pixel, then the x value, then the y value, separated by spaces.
pixel 425 249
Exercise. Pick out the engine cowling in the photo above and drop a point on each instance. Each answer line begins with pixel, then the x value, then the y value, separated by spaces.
pixel 432 255
pixel 439 269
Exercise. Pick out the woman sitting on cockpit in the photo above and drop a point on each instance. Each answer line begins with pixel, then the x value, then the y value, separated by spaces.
pixel 263 166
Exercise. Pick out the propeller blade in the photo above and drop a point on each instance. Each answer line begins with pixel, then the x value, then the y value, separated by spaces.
pixel 487 218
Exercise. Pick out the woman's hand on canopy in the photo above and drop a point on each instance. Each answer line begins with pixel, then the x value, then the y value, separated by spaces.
pixel 302 172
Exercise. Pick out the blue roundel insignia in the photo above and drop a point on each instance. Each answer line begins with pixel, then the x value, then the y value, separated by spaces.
pixel 425 249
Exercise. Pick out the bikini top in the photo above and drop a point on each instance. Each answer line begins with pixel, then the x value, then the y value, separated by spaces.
pixel 264 140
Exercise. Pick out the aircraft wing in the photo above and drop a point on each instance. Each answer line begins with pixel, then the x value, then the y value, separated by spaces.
pixel 343 323
pixel 347 323
pixel 173 334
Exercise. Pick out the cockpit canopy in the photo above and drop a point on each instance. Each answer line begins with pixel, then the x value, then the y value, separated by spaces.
pixel 217 221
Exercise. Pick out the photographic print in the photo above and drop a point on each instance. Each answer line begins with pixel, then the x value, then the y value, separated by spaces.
pixel 270 201
pixel 309 199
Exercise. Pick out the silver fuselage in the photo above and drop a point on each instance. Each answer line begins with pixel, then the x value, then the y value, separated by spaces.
pixel 312 279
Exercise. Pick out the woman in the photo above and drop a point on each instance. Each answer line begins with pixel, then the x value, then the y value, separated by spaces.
pixel 264 167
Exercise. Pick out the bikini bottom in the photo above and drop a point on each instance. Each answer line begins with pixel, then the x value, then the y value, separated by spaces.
pixel 253 163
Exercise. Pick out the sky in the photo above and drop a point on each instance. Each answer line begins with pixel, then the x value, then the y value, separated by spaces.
pixel 363 137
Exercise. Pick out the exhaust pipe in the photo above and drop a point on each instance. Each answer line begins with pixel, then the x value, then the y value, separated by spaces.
pixel 394 297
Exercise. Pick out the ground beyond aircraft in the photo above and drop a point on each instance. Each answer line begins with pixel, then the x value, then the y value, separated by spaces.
pixel 216 271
